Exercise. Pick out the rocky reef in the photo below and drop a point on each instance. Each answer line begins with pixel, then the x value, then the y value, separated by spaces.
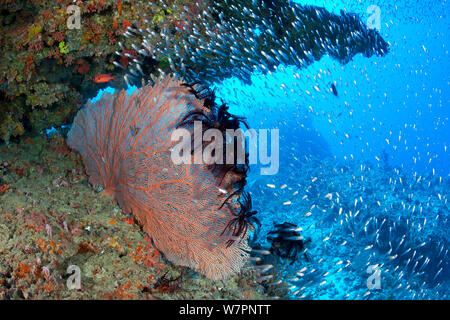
pixel 51 218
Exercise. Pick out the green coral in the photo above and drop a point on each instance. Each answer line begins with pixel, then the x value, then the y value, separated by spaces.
pixel 160 14
pixel 10 128
pixel 34 30
pixel 63 48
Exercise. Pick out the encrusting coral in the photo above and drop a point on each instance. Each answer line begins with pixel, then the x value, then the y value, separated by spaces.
pixel 125 142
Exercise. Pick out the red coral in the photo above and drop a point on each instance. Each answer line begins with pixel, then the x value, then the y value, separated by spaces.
pixel 180 25
pixel 22 270
pixel 125 143
pixel 97 6
pixel 114 24
pixel 124 60
pixel 83 69
pixel 36 43
pixel 47 13
pixel 126 24
pixel 58 36
pixel 3 189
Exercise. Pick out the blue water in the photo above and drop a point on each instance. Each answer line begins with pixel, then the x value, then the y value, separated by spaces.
pixel 397 106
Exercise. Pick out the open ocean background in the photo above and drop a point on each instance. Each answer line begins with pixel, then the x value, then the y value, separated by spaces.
pixel 396 107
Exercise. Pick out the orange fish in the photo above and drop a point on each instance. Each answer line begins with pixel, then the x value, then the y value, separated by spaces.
pixel 104 77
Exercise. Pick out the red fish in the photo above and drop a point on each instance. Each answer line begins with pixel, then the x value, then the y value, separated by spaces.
pixel 104 77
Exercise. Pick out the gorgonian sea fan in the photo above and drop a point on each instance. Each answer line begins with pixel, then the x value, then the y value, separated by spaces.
pixel 125 143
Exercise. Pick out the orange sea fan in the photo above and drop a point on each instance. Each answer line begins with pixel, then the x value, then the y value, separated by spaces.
pixel 125 143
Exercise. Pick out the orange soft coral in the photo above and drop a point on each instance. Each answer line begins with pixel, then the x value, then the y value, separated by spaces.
pixel 3 189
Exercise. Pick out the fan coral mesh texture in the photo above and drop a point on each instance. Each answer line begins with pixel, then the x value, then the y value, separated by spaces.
pixel 124 141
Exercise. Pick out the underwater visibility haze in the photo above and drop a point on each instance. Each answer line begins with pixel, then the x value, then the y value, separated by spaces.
pixel 252 149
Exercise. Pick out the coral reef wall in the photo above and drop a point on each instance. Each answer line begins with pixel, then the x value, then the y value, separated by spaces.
pixel 47 68
pixel 125 142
